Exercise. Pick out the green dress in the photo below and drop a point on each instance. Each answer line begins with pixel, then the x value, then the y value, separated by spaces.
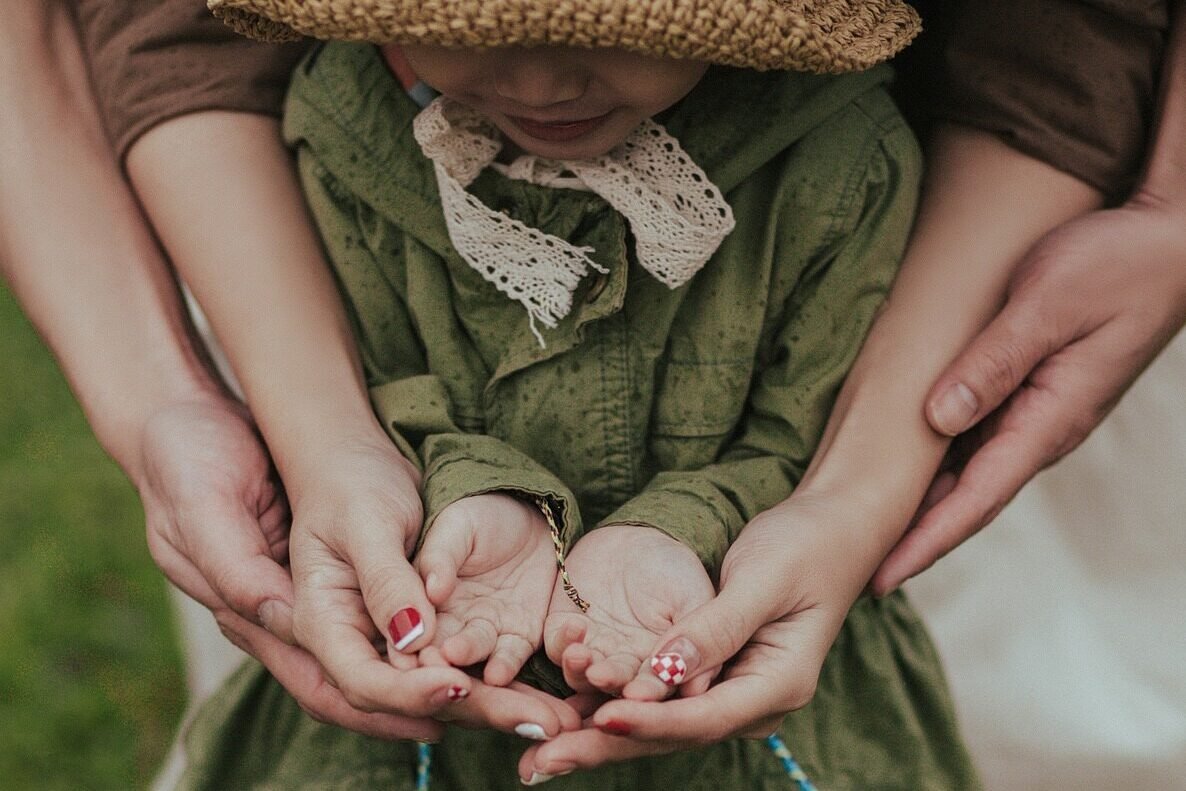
pixel 689 410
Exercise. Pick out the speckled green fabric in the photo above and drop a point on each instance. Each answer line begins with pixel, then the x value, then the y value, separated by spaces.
pixel 689 410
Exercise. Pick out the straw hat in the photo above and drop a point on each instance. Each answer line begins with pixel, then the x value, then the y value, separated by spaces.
pixel 806 35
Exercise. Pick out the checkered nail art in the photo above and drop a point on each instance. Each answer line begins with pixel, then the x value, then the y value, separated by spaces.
pixel 670 668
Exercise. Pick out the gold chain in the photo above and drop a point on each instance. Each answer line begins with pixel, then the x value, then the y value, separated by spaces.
pixel 571 590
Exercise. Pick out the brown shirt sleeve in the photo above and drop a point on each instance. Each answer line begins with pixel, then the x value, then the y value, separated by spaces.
pixel 152 60
pixel 1070 82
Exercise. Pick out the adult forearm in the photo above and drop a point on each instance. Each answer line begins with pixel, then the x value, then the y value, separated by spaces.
pixel 73 244
pixel 222 193
pixel 983 205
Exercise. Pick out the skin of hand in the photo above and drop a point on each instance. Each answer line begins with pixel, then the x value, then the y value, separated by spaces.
pixel 488 567
pixel 1086 310
pixel 779 593
pixel 101 293
pixel 353 528
pixel 638 581
pixel 791 576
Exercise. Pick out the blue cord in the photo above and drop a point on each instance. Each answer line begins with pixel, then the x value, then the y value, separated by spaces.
pixel 789 763
pixel 423 765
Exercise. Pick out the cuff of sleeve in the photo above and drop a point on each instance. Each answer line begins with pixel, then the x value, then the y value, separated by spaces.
pixel 695 514
pixel 464 465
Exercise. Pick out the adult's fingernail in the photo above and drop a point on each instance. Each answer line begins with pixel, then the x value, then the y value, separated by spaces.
pixel 531 730
pixel 456 693
pixel 616 728
pixel 955 409
pixel 537 778
pixel 405 627
pixel 675 661
pixel 276 617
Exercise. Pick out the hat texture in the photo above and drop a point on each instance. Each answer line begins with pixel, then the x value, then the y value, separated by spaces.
pixel 826 36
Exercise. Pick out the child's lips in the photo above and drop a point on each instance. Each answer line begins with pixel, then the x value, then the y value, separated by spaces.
pixel 557 131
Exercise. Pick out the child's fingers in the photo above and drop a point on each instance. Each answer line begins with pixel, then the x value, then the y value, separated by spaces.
pixel 613 672
pixel 442 556
pixel 575 662
pixel 473 643
pixel 510 653
pixel 562 630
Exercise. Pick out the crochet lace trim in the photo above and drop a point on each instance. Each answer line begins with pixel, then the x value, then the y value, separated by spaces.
pixel 677 216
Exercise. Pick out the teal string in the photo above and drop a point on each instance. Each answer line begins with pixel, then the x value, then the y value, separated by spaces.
pixel 789 763
pixel 423 765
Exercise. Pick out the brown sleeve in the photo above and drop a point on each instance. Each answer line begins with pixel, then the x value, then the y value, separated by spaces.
pixel 151 60
pixel 1069 82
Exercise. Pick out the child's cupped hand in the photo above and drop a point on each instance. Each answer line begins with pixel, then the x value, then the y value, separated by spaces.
pixel 488 567
pixel 638 581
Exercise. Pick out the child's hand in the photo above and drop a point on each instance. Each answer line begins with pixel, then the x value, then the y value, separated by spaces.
pixel 638 582
pixel 488 567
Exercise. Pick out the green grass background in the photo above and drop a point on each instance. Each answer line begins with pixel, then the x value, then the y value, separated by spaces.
pixel 91 682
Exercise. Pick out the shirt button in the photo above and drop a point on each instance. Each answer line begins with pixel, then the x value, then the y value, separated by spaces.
pixel 599 283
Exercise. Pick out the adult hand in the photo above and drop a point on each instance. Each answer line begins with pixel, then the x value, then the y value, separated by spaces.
pixel 217 526
pixel 787 584
pixel 355 523
pixel 1088 308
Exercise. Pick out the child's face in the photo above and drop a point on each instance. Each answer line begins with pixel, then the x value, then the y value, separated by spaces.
pixel 558 102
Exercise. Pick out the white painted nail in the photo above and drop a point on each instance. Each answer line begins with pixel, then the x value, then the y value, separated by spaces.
pixel 529 730
pixel 536 779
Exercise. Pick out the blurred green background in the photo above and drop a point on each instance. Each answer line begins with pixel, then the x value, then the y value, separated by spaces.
pixel 91 681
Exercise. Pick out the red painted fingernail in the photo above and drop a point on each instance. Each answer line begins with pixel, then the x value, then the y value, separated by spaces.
pixel 670 668
pixel 616 728
pixel 405 626
pixel 457 693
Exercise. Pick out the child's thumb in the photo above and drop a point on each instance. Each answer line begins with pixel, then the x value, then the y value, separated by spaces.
pixel 438 563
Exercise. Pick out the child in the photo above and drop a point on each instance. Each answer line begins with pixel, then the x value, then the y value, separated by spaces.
pixel 673 393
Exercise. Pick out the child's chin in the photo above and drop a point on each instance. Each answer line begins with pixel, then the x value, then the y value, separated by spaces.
pixel 588 147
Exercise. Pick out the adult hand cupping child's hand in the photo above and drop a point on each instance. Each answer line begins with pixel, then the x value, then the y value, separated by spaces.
pixel 488 567
pixel 218 527
pixel 354 522
pixel 787 584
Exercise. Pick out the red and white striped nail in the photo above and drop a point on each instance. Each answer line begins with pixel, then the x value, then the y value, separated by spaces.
pixel 405 627
pixel 456 693
pixel 670 668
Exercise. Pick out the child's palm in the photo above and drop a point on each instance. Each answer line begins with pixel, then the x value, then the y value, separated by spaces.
pixel 488 567
pixel 638 582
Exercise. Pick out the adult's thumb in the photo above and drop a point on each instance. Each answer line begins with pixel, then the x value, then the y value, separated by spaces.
pixel 989 370
pixel 692 652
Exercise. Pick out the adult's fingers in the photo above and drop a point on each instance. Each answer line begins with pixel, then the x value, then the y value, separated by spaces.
pixel 992 367
pixel 332 622
pixel 1043 422
pixel 707 637
pixel 584 749
pixel 393 592
pixel 298 672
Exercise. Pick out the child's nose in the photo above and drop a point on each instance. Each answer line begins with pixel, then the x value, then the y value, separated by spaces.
pixel 538 78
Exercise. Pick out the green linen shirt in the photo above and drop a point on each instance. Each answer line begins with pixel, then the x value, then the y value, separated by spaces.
pixel 689 410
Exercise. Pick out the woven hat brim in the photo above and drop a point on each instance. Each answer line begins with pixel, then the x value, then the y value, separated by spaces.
pixel 823 36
